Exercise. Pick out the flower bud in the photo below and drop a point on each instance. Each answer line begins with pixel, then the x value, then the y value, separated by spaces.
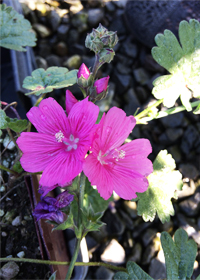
pixel 106 55
pixel 84 76
pixel 84 71
pixel 101 38
pixel 101 84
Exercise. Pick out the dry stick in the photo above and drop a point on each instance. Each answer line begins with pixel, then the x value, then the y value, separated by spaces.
pixel 113 267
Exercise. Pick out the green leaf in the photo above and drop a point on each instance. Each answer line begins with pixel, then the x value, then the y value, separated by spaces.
pixel 16 125
pixel 134 272
pixel 179 254
pixel 93 197
pixel 53 276
pixel 43 81
pixel 163 184
pixel 15 30
pixel 3 121
pixel 197 110
pixel 198 278
pixel 182 62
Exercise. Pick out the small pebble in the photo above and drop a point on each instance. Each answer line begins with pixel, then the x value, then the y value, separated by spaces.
pixel 9 270
pixel 109 255
pixel 17 221
pixel 28 218
pixel 10 145
pixel 21 254
pixel 1 213
pixel 2 188
pixel 4 234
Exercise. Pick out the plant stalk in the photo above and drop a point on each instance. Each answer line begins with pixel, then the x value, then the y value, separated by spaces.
pixel 73 260
pixel 8 170
pixel 146 111
pixel 113 267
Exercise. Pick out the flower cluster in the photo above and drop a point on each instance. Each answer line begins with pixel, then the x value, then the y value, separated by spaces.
pixel 60 147
pixel 49 207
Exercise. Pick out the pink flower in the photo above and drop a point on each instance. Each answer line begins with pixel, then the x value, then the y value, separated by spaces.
pixel 101 84
pixel 60 146
pixel 84 71
pixel 112 167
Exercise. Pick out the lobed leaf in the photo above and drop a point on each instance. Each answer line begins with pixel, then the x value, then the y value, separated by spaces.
pixel 3 122
pixel 134 273
pixel 179 254
pixel 182 61
pixel 43 81
pixel 16 125
pixel 163 184
pixel 15 30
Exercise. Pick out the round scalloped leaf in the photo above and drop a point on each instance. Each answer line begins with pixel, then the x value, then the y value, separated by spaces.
pixel 15 30
pixel 43 81
pixel 183 62
pixel 163 184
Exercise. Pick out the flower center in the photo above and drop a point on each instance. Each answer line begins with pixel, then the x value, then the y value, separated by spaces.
pixel 70 142
pixel 111 156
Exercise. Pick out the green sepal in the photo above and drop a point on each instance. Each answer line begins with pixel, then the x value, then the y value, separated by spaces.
pixel 134 272
pixel 15 30
pixel 42 81
pixel 179 254
pixel 197 110
pixel 17 167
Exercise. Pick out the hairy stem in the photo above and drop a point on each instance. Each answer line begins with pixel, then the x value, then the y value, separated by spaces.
pixel 146 111
pixel 73 260
pixel 170 111
pixel 113 267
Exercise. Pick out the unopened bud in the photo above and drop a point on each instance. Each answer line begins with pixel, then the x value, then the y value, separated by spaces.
pixel 84 76
pixel 101 84
pixel 101 38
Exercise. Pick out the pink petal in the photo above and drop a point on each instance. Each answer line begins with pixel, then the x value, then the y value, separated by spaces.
pixel 49 117
pixel 113 129
pixel 69 101
pixel 61 170
pixel 38 150
pixel 99 176
pixel 82 117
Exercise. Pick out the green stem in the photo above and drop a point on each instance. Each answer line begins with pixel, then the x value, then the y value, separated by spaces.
pixel 171 111
pixel 146 111
pixel 8 170
pixel 82 190
pixel 113 267
pixel 73 260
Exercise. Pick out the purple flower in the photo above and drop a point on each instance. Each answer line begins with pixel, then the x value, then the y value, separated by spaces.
pixel 101 84
pixel 84 71
pixel 49 207
pixel 64 199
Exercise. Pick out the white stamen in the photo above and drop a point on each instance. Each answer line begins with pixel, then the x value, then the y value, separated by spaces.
pixel 59 136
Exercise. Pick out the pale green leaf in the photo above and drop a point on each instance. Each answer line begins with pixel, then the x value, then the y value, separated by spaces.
pixel 15 30
pixel 163 184
pixel 182 61
pixel 134 272
pixel 43 81
pixel 179 254
pixel 3 122
pixel 198 278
